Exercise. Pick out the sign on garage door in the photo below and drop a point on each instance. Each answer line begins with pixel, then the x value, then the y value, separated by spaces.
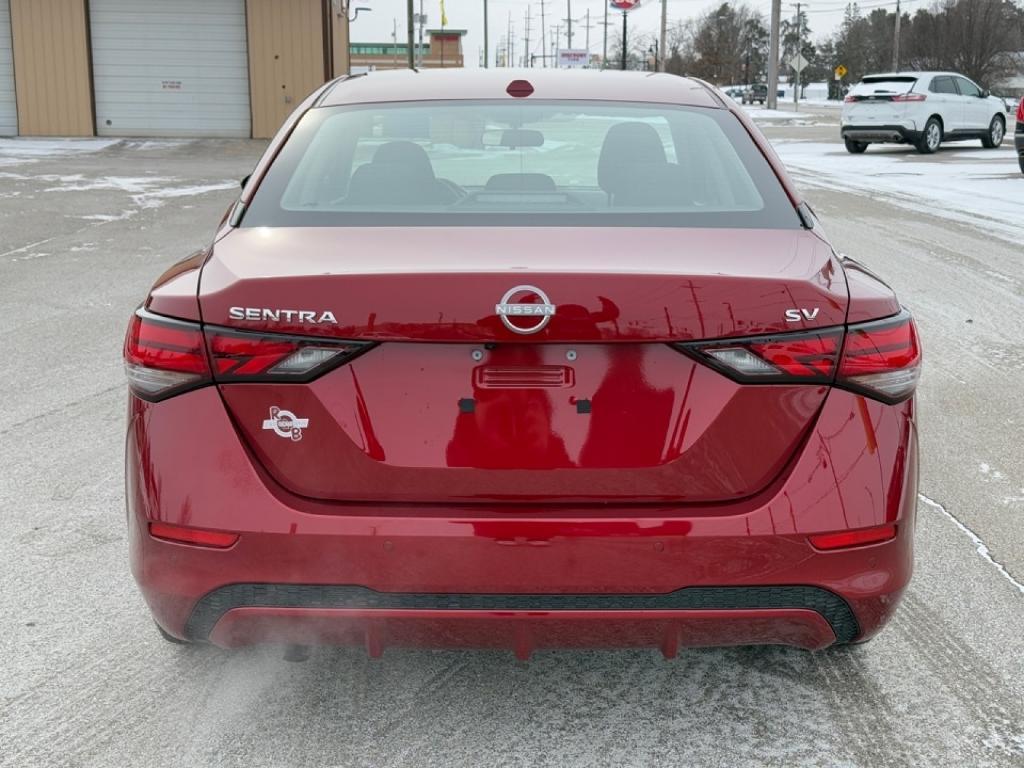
pixel 8 107
pixel 170 68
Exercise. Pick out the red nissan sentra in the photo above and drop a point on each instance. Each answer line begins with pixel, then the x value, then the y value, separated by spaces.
pixel 543 360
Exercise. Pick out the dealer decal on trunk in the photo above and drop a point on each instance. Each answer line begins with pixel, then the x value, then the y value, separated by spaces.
pixel 285 423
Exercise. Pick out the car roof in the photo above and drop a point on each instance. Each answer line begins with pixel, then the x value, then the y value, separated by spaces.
pixel 560 84
pixel 918 75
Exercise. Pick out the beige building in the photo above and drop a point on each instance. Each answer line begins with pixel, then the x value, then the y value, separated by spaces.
pixel 163 67
pixel 443 49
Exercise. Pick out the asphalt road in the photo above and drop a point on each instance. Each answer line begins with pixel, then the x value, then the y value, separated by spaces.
pixel 86 681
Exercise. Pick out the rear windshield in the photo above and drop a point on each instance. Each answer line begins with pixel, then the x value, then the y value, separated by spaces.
pixel 520 164
pixel 883 85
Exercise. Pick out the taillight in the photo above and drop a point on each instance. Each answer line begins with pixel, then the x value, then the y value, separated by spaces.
pixel 850 98
pixel 807 358
pixel 910 97
pixel 239 356
pixel 880 359
pixel 1020 114
pixel 163 357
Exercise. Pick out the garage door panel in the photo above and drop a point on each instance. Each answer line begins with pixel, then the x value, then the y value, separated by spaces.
pixel 170 69
pixel 8 104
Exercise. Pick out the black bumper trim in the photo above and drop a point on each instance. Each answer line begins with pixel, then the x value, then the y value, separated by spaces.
pixel 215 604
pixel 882 133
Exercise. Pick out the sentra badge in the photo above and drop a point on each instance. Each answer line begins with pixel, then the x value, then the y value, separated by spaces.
pixel 285 423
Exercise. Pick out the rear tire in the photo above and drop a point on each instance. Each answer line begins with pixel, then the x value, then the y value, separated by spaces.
pixel 931 137
pixel 996 131
pixel 855 147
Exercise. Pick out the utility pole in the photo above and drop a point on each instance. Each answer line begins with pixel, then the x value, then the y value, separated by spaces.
pixel 394 43
pixel 604 51
pixel 526 39
pixel 411 34
pixel 623 41
pixel 896 41
pixel 556 43
pixel 419 50
pixel 486 54
pixel 660 64
pixel 588 37
pixel 796 69
pixel 508 50
pixel 773 56
pixel 543 36
pixel 568 20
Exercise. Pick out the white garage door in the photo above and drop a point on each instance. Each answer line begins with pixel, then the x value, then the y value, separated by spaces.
pixel 8 107
pixel 166 68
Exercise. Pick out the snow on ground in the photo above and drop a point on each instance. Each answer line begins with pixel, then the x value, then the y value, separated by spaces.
pixel 18 151
pixel 983 188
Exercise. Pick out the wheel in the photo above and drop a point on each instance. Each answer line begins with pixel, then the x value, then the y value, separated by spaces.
pixel 996 131
pixel 931 136
pixel 855 147
pixel 169 637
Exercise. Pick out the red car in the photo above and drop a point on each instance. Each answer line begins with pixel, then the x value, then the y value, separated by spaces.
pixel 556 361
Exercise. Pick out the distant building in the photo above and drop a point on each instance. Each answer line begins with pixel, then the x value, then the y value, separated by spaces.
pixel 443 49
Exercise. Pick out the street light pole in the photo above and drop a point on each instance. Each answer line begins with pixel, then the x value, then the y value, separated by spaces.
pixel 799 54
pixel 411 36
pixel 773 56
pixel 623 41
pixel 485 36
pixel 660 64
pixel 896 41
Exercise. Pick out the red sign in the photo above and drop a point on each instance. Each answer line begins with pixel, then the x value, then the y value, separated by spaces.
pixel 624 5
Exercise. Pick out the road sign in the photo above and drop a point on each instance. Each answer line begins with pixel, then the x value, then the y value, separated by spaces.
pixel 841 71
pixel 624 5
pixel 798 62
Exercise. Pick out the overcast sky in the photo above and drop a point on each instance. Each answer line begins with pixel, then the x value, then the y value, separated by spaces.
pixel 824 17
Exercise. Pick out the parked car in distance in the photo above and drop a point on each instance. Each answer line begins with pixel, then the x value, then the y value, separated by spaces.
pixel 736 92
pixel 432 396
pixel 923 109
pixel 756 93
pixel 1018 135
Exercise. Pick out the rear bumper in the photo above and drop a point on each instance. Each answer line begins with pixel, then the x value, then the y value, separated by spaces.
pixel 900 134
pixel 381 575
pixel 1018 141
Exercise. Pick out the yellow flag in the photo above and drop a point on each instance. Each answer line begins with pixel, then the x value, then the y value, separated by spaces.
pixel 444 18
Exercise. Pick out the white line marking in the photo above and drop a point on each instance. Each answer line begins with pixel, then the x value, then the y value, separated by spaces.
pixel 978 543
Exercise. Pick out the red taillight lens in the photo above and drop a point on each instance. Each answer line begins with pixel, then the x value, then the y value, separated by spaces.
pixel 850 99
pixel 882 358
pixel 910 97
pixel 1020 113
pixel 240 356
pixel 163 357
pixel 805 358
pixel 855 538
pixel 195 536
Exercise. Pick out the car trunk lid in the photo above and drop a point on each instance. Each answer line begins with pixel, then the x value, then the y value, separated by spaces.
pixel 452 405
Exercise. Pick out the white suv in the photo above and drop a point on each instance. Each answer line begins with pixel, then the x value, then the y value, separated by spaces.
pixel 920 108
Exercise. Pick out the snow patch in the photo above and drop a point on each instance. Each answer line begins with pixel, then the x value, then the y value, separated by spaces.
pixel 982 194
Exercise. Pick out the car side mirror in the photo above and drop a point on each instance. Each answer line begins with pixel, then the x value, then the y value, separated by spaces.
pixel 246 180
pixel 985 94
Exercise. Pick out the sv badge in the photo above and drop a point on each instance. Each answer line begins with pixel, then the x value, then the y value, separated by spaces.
pixel 796 315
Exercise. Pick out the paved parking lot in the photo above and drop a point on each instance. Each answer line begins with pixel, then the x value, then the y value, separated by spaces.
pixel 84 229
